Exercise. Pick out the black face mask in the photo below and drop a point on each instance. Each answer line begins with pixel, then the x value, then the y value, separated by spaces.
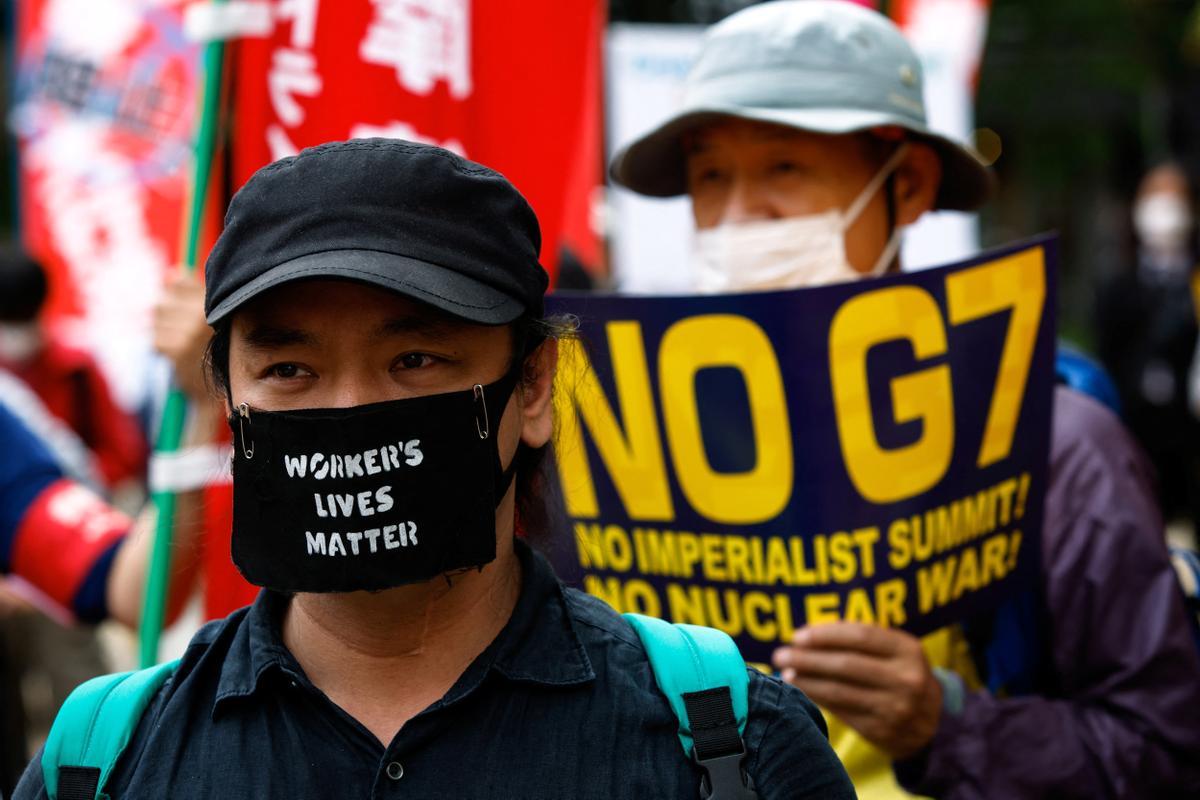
pixel 369 497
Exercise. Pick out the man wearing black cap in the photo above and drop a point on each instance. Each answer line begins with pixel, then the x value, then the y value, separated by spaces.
pixel 377 308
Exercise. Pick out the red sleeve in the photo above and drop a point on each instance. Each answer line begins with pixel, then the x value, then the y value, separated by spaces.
pixel 62 536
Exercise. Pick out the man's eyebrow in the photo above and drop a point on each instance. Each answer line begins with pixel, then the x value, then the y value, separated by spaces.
pixel 271 337
pixel 431 327
pixel 696 144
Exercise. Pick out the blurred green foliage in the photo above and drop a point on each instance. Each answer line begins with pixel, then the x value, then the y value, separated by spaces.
pixel 1085 95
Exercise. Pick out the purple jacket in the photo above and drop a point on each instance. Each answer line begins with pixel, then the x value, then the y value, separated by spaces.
pixel 1122 718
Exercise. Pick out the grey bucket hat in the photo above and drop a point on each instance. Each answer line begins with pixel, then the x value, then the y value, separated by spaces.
pixel 827 66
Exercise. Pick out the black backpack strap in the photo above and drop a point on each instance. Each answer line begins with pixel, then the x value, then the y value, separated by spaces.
pixel 78 783
pixel 719 749
pixel 92 729
pixel 703 676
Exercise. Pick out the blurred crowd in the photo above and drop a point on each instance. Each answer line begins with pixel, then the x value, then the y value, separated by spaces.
pixel 1146 336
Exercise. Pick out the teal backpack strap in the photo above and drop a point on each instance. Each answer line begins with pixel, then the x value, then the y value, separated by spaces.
pixel 92 729
pixel 703 676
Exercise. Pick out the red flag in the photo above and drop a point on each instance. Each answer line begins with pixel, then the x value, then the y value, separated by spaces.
pixel 104 111
pixel 514 86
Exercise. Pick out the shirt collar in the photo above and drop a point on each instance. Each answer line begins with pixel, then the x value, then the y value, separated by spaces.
pixel 539 643
pixel 256 649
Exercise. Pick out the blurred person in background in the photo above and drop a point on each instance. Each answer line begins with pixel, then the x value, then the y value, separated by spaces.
pixel 804 148
pixel 1146 334
pixel 1194 382
pixel 65 377
pixel 77 559
pixel 57 394
pixel 34 648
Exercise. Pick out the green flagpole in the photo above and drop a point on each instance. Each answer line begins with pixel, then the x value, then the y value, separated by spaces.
pixel 175 410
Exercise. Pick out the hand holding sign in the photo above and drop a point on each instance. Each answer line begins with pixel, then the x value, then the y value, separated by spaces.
pixel 875 679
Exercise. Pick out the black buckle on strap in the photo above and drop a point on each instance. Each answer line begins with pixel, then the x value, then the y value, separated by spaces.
pixel 724 779
pixel 718 746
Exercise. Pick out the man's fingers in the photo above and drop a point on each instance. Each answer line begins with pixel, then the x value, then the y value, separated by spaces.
pixel 840 697
pixel 869 639
pixel 845 665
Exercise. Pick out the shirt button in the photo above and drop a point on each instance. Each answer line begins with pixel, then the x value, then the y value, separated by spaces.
pixel 395 770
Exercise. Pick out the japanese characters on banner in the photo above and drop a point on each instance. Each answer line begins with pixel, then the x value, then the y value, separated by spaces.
pixel 104 110
pixel 515 87
pixel 873 451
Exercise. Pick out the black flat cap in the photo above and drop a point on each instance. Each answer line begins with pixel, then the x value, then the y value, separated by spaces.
pixel 409 217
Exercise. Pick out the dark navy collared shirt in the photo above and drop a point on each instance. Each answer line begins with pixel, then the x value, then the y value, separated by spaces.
pixel 562 704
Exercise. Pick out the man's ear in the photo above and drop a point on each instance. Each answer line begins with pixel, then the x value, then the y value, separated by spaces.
pixel 917 181
pixel 537 407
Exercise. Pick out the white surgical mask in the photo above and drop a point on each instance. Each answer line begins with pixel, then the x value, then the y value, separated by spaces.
pixel 1163 221
pixel 788 253
pixel 19 342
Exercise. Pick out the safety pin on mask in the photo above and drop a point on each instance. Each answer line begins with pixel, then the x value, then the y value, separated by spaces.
pixel 485 429
pixel 243 417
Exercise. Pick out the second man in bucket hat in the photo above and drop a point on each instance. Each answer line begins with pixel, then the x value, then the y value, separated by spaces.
pixel 803 145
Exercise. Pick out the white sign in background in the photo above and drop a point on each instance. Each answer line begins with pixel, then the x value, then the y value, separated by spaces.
pixel 948 36
pixel 650 237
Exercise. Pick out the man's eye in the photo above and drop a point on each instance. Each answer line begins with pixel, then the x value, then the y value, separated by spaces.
pixel 785 167
pixel 284 371
pixel 414 360
pixel 706 176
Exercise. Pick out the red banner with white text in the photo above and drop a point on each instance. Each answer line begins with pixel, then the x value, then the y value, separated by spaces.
pixel 513 86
